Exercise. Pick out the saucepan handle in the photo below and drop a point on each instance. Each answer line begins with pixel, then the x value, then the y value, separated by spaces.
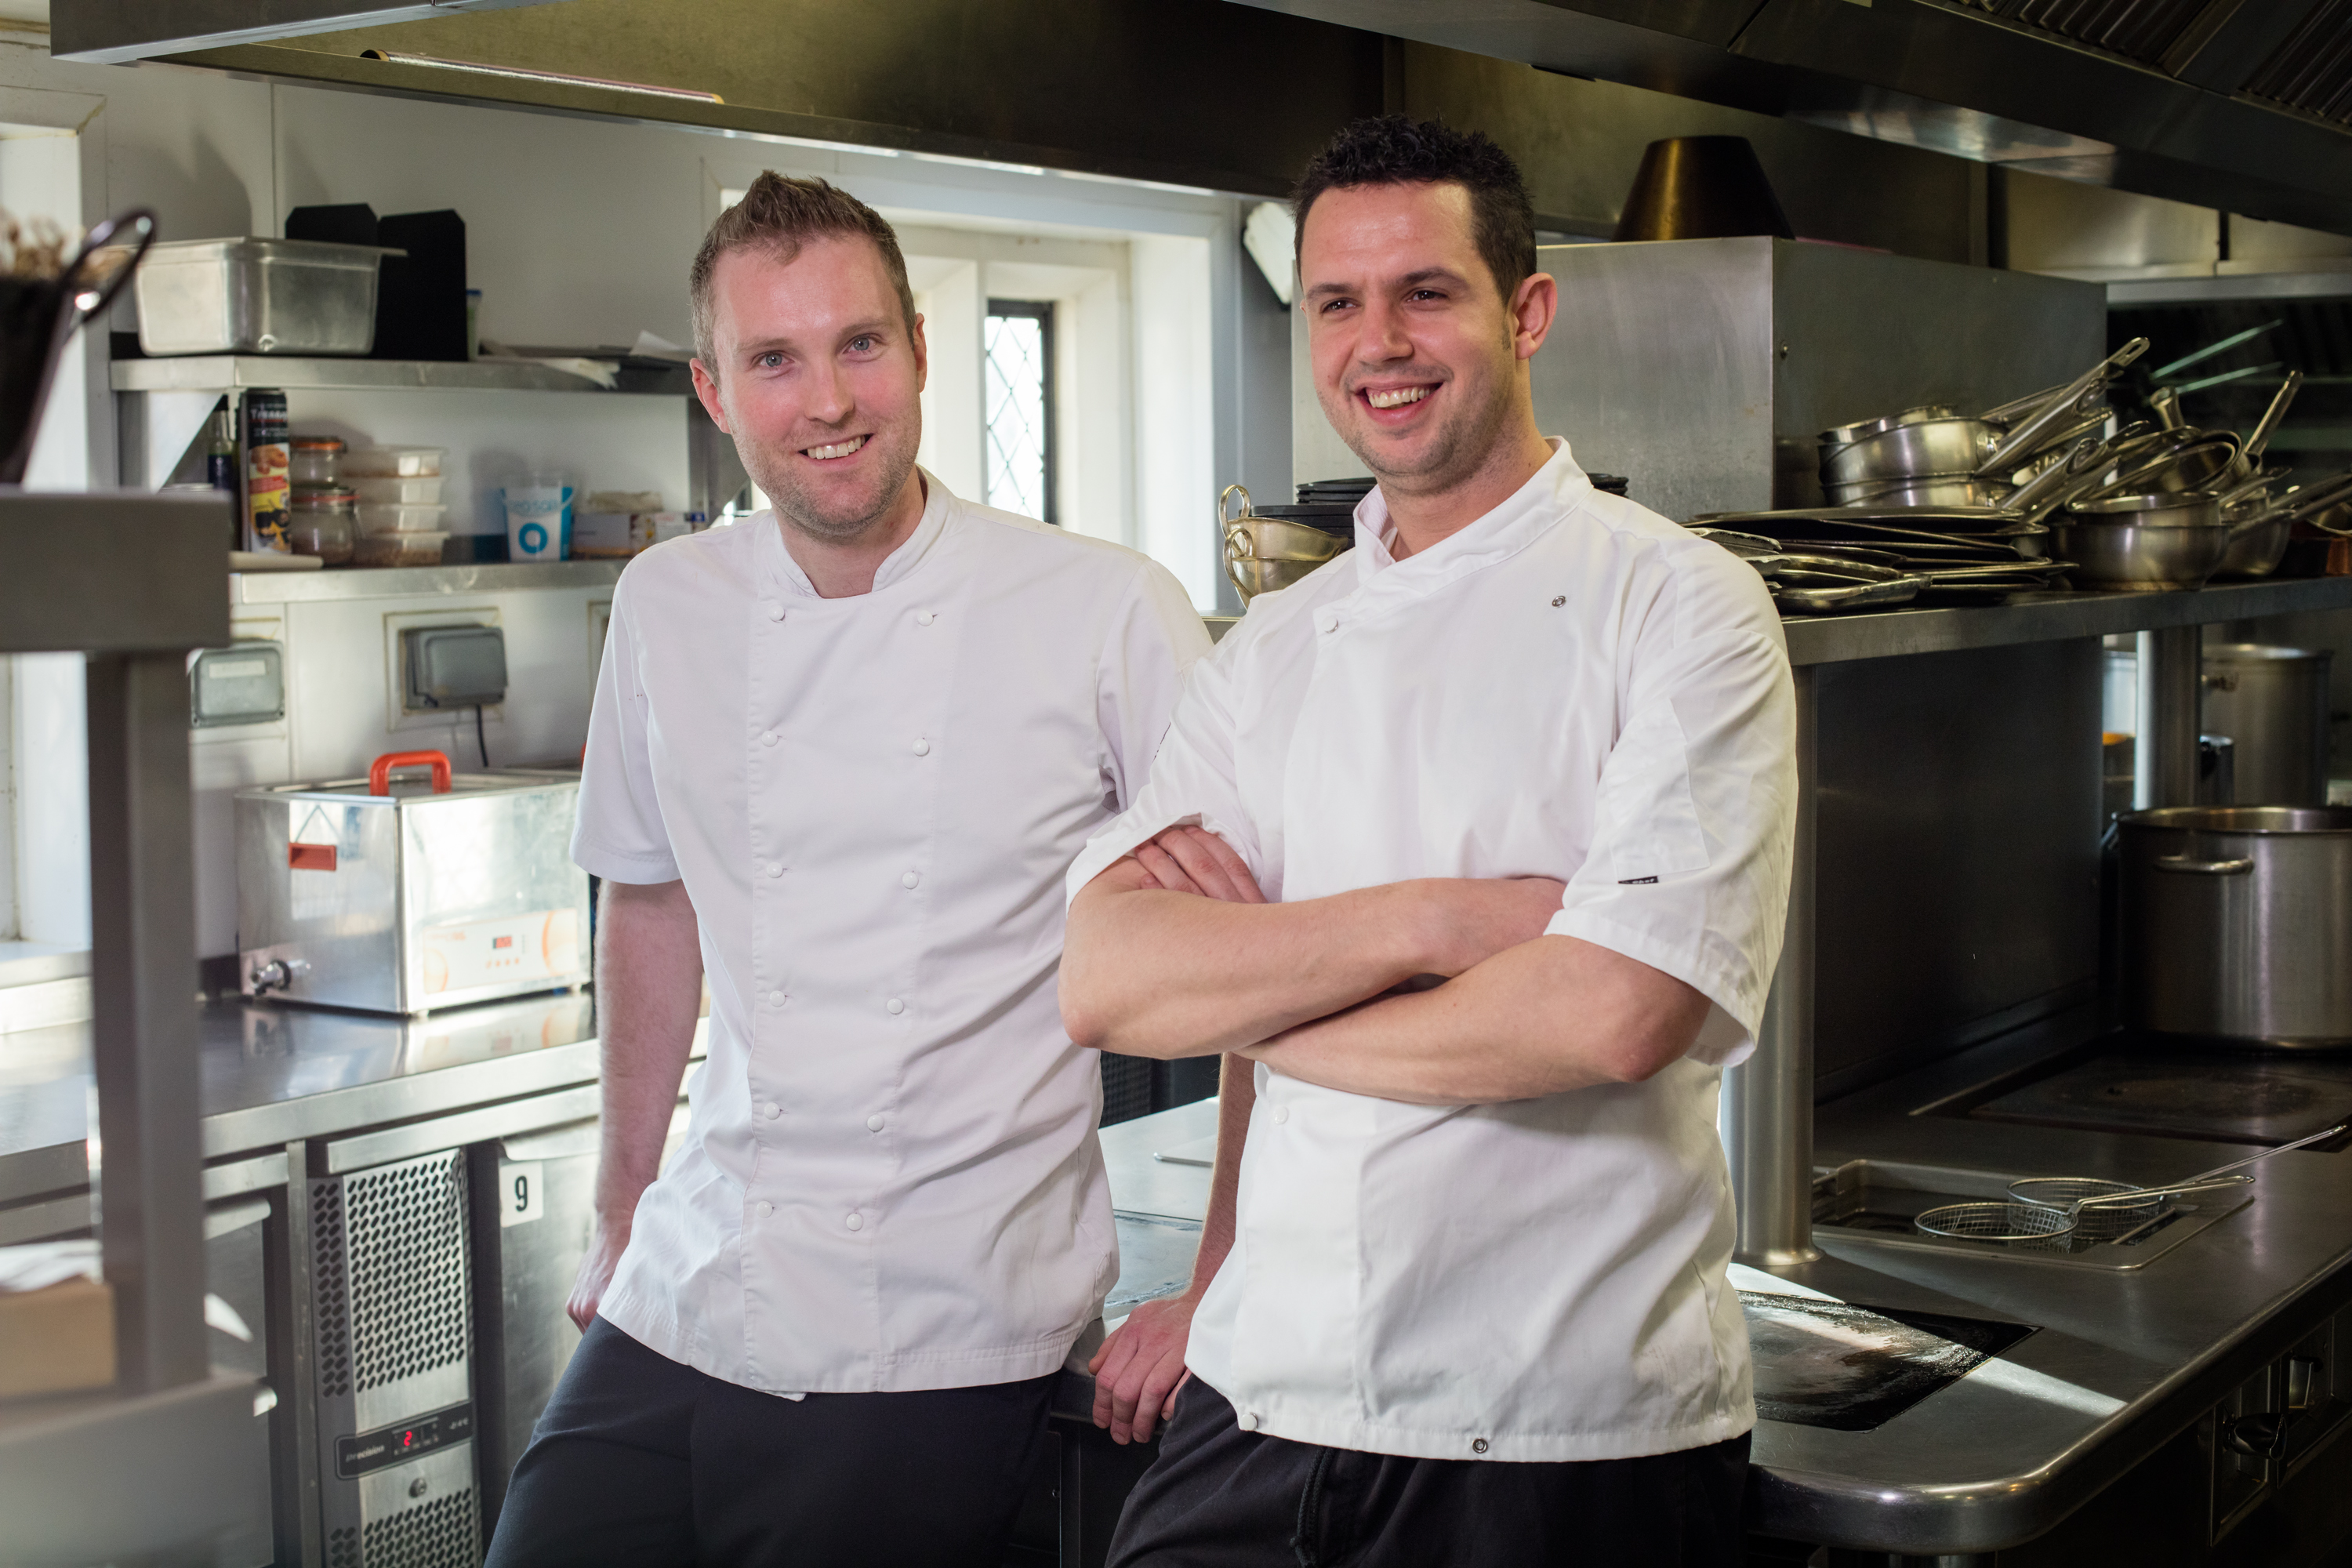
pixel 2203 867
pixel 380 770
pixel 93 295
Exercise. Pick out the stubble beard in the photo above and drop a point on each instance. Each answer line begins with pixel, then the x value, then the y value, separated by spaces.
pixel 801 511
pixel 1455 450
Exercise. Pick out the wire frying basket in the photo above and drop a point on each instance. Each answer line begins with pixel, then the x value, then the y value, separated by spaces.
pixel 2133 1206
pixel 2034 1225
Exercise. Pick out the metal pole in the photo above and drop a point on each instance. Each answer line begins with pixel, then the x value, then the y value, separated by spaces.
pixel 1767 1099
pixel 2172 685
pixel 143 1023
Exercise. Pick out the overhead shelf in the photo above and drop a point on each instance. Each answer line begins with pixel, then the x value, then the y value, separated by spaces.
pixel 229 373
pixel 2052 617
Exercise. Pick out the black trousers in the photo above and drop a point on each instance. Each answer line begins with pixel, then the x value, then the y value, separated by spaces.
pixel 642 1462
pixel 1218 1497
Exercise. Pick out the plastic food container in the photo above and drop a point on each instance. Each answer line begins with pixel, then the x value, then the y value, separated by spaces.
pixel 396 492
pixel 377 517
pixel 319 524
pixel 258 296
pixel 418 549
pixel 392 462
pixel 313 459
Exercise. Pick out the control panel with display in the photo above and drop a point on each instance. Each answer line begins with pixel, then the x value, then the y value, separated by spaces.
pixel 397 1445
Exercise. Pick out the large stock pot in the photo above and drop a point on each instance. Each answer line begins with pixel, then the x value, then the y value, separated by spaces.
pixel 2236 922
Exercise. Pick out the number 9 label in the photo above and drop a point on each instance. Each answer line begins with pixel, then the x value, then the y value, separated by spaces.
pixel 521 1199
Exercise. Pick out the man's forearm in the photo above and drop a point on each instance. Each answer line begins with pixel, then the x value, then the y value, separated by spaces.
pixel 1549 1015
pixel 1150 973
pixel 1154 973
pixel 648 996
pixel 1236 1095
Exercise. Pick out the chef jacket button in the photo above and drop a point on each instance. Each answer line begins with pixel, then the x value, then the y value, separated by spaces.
pixel 775 611
pixel 1246 1420
pixel 925 618
pixel 1332 622
pixel 1281 1114
pixel 771 1111
pixel 893 1005
pixel 1477 1444
pixel 775 998
pixel 911 880
pixel 776 868
pixel 855 1221
pixel 922 747
pixel 763 1209
pixel 874 1124
pixel 768 737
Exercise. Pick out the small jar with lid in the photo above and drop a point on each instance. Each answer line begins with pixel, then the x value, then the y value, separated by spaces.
pixel 324 522
pixel 315 459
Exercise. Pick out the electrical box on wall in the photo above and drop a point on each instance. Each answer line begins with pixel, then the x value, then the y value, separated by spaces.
pixel 243 683
pixel 453 667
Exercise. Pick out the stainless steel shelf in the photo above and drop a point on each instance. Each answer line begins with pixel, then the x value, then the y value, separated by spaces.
pixel 2051 618
pixel 411 582
pixel 229 373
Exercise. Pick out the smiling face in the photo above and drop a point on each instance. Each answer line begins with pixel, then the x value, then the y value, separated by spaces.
pixel 817 373
pixel 1420 360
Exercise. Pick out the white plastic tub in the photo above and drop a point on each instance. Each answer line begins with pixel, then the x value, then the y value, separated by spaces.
pixel 419 491
pixel 379 517
pixel 391 463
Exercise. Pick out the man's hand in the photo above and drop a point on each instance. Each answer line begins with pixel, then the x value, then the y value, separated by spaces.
pixel 1140 1368
pixel 1195 860
pixel 607 1242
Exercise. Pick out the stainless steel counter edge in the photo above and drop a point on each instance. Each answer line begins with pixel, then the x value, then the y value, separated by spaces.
pixel 415 581
pixel 225 372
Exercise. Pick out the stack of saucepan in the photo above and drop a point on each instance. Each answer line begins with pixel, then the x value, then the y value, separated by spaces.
pixel 1270 548
pixel 1946 508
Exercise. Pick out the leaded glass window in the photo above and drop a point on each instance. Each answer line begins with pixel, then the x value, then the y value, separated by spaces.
pixel 1020 407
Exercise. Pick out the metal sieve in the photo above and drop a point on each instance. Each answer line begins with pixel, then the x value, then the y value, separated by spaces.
pixel 2028 1222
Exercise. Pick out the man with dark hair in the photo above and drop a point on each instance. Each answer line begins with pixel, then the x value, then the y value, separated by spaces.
pixel 1470 852
pixel 840 757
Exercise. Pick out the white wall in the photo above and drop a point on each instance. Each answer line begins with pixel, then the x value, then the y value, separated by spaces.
pixel 1177 468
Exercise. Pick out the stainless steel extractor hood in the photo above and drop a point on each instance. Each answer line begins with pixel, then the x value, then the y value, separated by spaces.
pixel 2241 105
pixel 106 32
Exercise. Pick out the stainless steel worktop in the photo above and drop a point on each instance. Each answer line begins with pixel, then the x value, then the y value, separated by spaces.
pixel 2120 1361
pixel 272 1073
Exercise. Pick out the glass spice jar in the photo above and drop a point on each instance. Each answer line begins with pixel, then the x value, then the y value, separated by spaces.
pixel 324 522
pixel 315 458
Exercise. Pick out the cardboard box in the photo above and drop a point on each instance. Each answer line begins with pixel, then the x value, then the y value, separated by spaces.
pixel 56 1339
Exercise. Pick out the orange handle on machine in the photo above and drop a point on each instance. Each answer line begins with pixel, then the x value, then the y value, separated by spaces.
pixel 380 770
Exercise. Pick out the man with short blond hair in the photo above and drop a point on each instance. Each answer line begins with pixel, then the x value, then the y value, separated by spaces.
pixel 841 755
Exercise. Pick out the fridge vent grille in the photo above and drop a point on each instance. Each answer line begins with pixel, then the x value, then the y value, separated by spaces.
pixel 328 1287
pixel 2312 70
pixel 343 1548
pixel 1126 1088
pixel 443 1534
pixel 407 1243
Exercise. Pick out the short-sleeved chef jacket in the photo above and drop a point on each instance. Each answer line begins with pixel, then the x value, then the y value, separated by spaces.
pixel 890 1179
pixel 1570 687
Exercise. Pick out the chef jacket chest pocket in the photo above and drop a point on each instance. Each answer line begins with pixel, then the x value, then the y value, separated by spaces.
pixel 1651 821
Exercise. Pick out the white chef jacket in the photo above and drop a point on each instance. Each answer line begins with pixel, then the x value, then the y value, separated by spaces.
pixel 1570 687
pixel 890 1179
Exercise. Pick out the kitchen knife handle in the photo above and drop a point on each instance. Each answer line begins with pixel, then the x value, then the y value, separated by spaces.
pixel 380 770
pixel 2203 867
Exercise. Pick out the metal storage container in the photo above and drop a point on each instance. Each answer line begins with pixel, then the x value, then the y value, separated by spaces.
pixel 403 899
pixel 2274 702
pixel 258 296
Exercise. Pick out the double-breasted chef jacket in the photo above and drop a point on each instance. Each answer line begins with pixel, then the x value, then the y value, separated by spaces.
pixel 890 1179
pixel 1570 687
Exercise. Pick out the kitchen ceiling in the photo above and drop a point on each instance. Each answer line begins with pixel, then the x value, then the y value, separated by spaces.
pixel 2241 105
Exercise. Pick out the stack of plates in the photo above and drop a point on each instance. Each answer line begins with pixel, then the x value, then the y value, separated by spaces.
pixel 1816 576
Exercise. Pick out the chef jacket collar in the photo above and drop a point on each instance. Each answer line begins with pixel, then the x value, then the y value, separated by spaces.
pixel 778 568
pixel 1552 492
